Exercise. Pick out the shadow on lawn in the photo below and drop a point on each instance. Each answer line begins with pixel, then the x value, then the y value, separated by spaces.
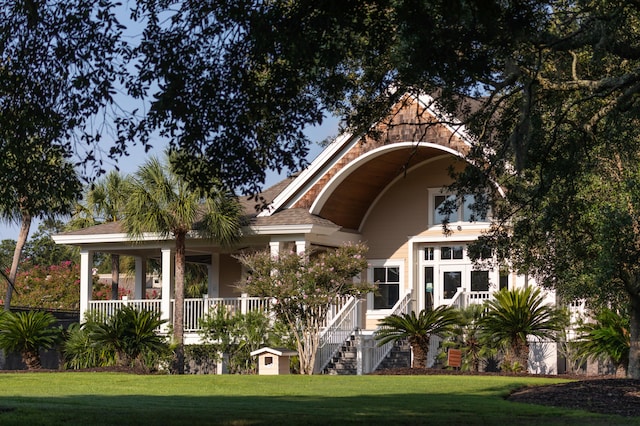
pixel 397 409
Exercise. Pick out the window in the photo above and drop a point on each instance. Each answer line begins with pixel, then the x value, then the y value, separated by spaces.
pixel 479 280
pixel 504 279
pixel 388 281
pixel 451 281
pixel 268 361
pixel 429 253
pixel 447 207
pixel 451 253
pixel 443 209
pixel 468 212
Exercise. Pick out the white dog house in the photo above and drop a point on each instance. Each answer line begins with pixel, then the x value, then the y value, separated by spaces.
pixel 273 361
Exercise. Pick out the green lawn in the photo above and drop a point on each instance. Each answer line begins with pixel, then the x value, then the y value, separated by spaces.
pixel 122 399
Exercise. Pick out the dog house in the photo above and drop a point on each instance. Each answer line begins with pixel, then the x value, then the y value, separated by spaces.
pixel 273 361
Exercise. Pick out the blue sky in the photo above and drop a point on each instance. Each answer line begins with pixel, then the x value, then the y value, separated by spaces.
pixel 137 157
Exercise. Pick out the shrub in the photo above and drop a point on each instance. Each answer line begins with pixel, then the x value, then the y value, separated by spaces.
pixel 131 334
pixel 27 333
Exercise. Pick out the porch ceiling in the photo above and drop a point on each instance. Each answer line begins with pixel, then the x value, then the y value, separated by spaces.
pixel 350 201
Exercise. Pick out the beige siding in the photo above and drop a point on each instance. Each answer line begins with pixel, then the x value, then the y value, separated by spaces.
pixel 230 274
pixel 402 211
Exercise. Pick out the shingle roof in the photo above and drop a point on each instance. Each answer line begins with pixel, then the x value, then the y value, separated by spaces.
pixel 250 208
pixel 292 217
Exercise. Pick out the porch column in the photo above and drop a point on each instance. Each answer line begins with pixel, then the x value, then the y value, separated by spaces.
pixel 213 275
pixel 275 247
pixel 168 274
pixel 301 246
pixel 86 280
pixel 140 288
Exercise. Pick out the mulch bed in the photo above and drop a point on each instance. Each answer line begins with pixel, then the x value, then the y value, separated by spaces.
pixel 604 395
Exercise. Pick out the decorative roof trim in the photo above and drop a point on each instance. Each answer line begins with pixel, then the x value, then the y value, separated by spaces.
pixel 340 147
pixel 344 173
pixel 310 172
pixel 104 238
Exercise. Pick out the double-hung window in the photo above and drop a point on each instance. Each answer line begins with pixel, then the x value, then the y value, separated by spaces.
pixel 387 281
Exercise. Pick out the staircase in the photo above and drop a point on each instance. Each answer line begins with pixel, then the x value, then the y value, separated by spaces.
pixel 345 361
pixel 399 357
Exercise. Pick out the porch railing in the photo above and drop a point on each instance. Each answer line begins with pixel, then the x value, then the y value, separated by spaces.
pixel 338 330
pixel 378 353
pixel 461 299
pixel 194 309
pixel 105 308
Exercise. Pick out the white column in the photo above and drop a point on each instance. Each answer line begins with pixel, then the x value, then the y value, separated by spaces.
pixel 86 281
pixel 301 246
pixel 168 274
pixel 213 272
pixel 140 278
pixel 275 247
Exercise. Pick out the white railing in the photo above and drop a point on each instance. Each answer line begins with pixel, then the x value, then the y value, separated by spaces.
pixel 105 308
pixel 457 301
pixel 194 309
pixel 477 297
pixel 462 298
pixel 378 353
pixel 343 324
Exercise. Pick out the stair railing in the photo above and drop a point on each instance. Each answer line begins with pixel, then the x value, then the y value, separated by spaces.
pixel 336 333
pixel 379 353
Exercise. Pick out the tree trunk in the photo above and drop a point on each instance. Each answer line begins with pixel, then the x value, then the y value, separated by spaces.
pixel 25 225
pixel 519 355
pixel 419 352
pixel 115 276
pixel 31 358
pixel 178 308
pixel 633 372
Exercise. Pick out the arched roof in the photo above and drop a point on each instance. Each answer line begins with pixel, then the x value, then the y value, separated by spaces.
pixel 347 197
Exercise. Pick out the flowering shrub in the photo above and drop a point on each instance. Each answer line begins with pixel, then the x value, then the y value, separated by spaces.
pixel 102 291
pixel 304 287
pixel 51 287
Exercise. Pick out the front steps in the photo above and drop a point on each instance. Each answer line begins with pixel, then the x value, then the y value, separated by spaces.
pixel 345 362
pixel 399 357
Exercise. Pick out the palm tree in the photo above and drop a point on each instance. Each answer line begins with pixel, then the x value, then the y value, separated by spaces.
pixel 606 336
pixel 161 201
pixel 466 336
pixel 27 333
pixel 105 202
pixel 417 329
pixel 512 316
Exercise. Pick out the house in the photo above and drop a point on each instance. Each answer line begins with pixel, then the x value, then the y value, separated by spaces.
pixel 384 191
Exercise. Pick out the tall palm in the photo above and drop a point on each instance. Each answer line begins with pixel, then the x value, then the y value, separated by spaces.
pixel 104 202
pixel 513 315
pixel 417 330
pixel 160 201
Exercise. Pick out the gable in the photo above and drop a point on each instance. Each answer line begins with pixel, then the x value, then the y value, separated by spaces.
pixel 348 176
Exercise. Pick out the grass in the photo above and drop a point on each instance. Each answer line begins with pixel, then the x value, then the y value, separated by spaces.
pixel 123 399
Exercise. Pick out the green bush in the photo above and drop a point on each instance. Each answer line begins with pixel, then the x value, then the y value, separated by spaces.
pixel 240 334
pixel 27 333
